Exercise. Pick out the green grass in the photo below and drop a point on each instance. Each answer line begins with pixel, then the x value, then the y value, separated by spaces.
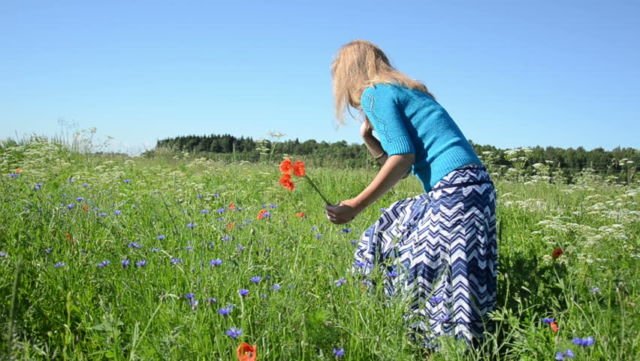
pixel 81 311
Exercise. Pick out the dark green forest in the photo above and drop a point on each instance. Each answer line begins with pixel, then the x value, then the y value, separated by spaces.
pixel 618 163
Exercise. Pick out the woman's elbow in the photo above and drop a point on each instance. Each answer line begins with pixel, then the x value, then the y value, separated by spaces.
pixel 405 161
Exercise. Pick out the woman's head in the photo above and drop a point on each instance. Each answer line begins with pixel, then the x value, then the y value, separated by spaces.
pixel 360 64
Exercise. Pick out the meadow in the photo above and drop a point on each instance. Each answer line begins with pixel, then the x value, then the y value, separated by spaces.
pixel 183 258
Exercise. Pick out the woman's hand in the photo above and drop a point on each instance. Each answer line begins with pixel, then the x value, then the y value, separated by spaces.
pixel 344 212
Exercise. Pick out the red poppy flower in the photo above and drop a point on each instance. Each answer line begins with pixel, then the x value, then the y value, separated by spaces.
pixel 232 206
pixel 300 215
pixel 231 226
pixel 288 169
pixel 557 252
pixel 298 168
pixel 286 166
pixel 286 182
pixel 247 352
pixel 18 170
pixel 554 326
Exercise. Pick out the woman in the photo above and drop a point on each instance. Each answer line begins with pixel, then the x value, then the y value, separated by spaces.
pixel 439 248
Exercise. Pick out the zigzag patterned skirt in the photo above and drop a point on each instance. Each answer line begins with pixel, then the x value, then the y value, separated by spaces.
pixel 438 251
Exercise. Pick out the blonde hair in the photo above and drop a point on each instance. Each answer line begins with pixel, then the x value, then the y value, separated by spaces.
pixel 358 65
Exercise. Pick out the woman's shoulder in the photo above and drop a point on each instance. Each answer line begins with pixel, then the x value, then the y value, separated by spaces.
pixel 383 88
pixel 393 92
pixel 380 91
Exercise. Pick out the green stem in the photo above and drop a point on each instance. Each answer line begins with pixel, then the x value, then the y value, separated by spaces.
pixel 317 190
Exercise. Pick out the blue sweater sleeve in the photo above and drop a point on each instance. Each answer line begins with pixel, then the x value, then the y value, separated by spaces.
pixel 382 107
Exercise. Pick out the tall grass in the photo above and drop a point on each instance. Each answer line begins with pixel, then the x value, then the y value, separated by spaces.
pixel 135 259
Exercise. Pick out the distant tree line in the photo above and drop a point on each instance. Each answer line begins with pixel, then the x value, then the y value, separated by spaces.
pixel 568 160
pixel 228 147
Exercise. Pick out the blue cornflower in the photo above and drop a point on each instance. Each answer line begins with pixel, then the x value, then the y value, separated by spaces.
pixel 338 352
pixel 104 263
pixel 85 185
pixel 175 261
pixel 340 282
pixel 226 238
pixel 102 214
pixel 234 332
pixel 193 303
pixel 59 265
pixel 318 235
pixel 125 263
pixel 141 263
pixel 276 287
pixel 561 355
pixel 37 187
pixel 211 300
pixel 71 206
pixel 204 211
pixel 225 311
pixel 243 292
pixel 14 175
pixel 346 230
pixel 240 248
pixel 161 237
pixel 79 199
pixel 256 279
pixel 392 274
pixel 190 296
pixel 191 225
pixel 584 342
pixel 135 245
pixel 3 254
pixel 220 210
pixel 548 320
pixel 127 181
pixel 117 212
pixel 215 262
pixel 569 353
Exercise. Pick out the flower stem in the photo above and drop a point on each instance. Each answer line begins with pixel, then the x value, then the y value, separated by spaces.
pixel 317 190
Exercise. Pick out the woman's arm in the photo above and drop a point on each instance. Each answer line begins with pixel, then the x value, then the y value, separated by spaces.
pixel 373 145
pixel 393 170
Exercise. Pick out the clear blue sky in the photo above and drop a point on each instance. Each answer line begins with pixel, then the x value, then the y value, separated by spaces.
pixel 512 73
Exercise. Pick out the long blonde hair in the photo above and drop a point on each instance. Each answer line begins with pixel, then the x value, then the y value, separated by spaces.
pixel 358 65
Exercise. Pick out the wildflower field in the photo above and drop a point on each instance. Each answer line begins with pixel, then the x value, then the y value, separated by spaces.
pixel 118 258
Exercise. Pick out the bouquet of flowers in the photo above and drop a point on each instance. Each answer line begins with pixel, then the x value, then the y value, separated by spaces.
pixel 289 169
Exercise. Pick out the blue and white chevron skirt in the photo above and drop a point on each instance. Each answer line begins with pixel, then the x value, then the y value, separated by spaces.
pixel 438 251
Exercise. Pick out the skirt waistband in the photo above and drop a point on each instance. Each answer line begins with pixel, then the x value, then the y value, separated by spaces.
pixel 468 175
